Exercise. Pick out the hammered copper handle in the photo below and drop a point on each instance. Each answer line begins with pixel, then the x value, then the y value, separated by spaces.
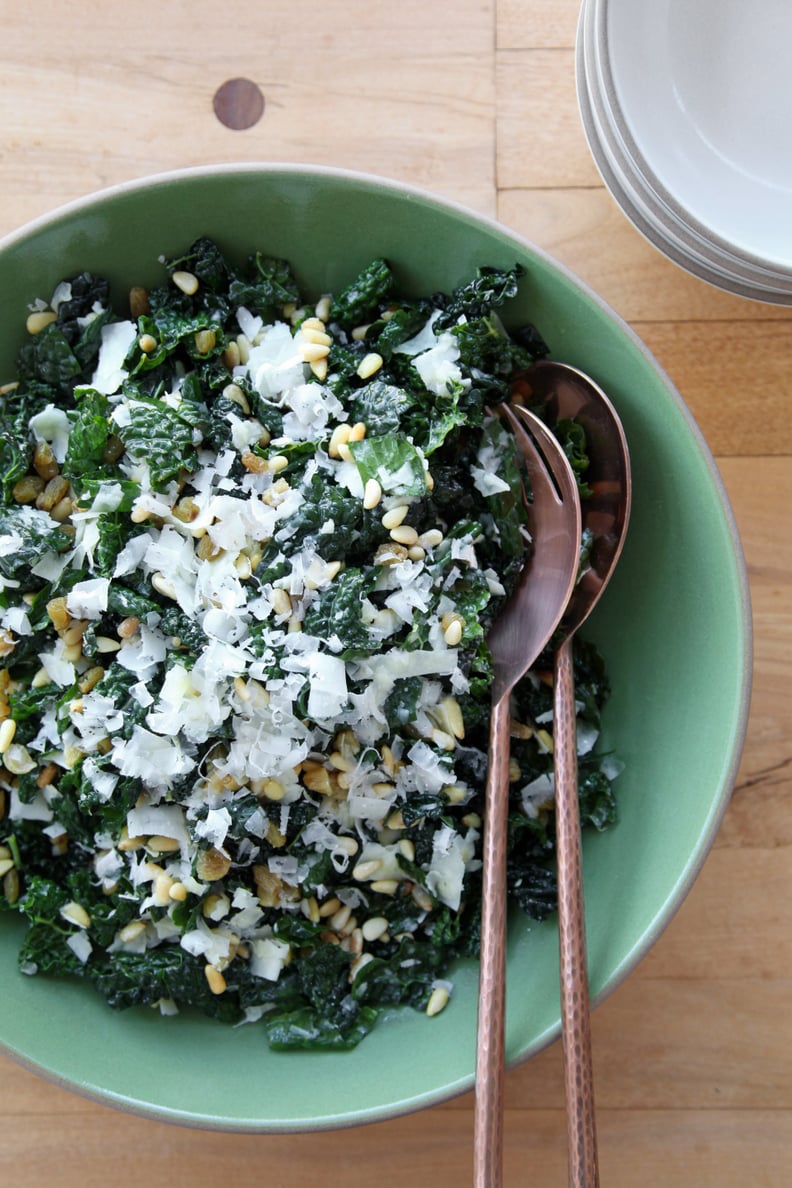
pixel 490 1058
pixel 575 1013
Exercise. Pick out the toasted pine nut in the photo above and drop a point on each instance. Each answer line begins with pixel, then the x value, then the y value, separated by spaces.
pixel 138 301
pixel 44 462
pixel 147 344
pixel 28 488
pixel 215 979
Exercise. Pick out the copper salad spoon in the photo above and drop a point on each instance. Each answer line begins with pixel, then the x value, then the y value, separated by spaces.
pixel 520 633
pixel 564 393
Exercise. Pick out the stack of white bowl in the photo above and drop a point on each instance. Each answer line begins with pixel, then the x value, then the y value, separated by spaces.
pixel 687 109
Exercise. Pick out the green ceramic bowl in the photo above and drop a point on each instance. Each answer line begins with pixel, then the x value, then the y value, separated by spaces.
pixel 674 627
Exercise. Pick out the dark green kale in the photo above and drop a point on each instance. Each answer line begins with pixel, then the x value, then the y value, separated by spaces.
pixel 362 297
pixel 37 534
pixel 475 299
pixel 269 285
pixel 157 435
pixel 336 614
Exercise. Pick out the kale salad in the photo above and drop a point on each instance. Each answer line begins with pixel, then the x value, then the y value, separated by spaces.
pixel 250 546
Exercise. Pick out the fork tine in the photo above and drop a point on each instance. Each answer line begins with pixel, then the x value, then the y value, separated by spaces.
pixel 526 423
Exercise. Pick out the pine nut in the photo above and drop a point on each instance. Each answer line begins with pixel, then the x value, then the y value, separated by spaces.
pixel 234 393
pixel 437 1000
pixel 395 517
pixel 407 849
pixel 357 432
pixel 178 892
pixel 338 437
pixel 453 633
pixel 253 463
pixel 358 964
pixel 11 886
pixel 313 352
pixel 91 678
pixel 127 627
pixel 162 845
pixel 369 365
pixel 163 585
pixel 215 980
pixel 6 864
pixel 341 917
pixel 404 535
pixel 364 871
pixel 374 928
pixel 130 932
pixel 138 301
pixel 349 845
pixel 318 337
pixel 385 886
pixel 211 865
pixel 277 463
pixel 313 324
pixel 126 842
pixel 319 369
pixel 322 308
pixel 281 601
pixel 75 913
pixel 329 907
pixel 105 644
pixel 147 344
pixel 372 494
pixel 59 617
pixel 186 281
pixel 430 539
pixel 39 320
pixel 62 510
pixel 215 907
pixel 28 488
pixel 273 790
pixel 44 462
pixel 7 732
pixel 162 886
pixel 443 739
pixel 57 488
pixel 205 341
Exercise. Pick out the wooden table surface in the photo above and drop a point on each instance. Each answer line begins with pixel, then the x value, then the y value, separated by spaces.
pixel 476 102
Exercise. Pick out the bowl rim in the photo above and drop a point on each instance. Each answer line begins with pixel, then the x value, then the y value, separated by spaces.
pixel 679 891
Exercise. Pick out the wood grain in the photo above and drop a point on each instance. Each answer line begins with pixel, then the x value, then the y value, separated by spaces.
pixel 477 103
